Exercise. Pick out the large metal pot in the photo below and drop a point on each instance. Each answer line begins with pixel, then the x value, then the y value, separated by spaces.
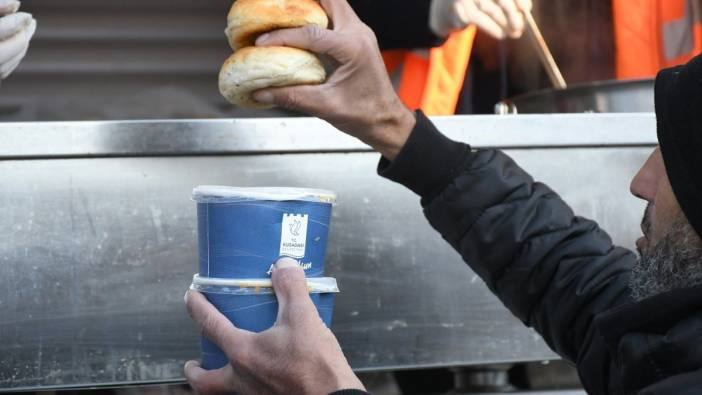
pixel 599 97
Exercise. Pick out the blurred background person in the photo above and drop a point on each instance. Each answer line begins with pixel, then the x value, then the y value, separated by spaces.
pixel 428 49
pixel 473 57
pixel 654 34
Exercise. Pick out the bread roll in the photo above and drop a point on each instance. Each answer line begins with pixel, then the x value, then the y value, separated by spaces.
pixel 254 68
pixel 248 19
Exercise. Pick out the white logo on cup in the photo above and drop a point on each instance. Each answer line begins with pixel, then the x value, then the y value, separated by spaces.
pixel 293 238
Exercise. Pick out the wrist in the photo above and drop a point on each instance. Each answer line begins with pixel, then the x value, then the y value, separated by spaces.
pixel 341 381
pixel 429 161
pixel 391 132
pixel 350 382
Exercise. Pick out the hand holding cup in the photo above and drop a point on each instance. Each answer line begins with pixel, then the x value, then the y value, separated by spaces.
pixel 299 355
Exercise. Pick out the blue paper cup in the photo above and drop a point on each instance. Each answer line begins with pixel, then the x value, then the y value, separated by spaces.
pixel 251 305
pixel 241 231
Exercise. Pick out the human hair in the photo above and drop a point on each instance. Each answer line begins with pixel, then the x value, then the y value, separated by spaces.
pixel 674 262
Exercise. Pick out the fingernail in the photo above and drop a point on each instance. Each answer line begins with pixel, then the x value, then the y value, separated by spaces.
pixel 263 97
pixel 262 39
pixel 284 263
pixel 189 366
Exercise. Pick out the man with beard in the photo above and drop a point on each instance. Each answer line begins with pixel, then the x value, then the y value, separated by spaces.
pixel 674 262
pixel 631 326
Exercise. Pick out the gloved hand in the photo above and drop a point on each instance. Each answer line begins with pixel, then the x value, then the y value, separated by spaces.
pixel 16 30
pixel 9 6
pixel 498 18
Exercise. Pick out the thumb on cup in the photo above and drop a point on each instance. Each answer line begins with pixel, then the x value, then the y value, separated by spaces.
pixel 291 288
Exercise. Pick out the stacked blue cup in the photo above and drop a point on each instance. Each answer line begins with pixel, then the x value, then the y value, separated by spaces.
pixel 241 233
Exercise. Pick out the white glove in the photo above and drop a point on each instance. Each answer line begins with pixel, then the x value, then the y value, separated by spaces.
pixel 16 30
pixel 9 6
pixel 498 18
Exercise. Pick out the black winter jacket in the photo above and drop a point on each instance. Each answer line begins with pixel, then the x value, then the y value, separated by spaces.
pixel 557 272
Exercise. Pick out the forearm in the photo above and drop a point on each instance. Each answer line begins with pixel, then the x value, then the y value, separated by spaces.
pixel 398 24
pixel 553 270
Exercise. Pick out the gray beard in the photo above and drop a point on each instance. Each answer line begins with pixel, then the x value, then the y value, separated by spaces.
pixel 673 263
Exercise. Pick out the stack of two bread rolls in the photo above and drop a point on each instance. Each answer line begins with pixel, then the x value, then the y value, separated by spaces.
pixel 252 68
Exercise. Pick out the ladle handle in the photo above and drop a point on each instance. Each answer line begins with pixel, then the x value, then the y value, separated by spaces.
pixel 537 39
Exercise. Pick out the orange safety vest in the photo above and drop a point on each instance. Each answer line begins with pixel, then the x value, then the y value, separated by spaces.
pixel 433 83
pixel 655 34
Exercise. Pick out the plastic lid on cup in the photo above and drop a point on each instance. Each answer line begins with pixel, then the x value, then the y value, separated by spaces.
pixel 224 194
pixel 259 286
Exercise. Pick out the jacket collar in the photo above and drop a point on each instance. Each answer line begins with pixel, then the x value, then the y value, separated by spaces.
pixel 656 314
pixel 654 339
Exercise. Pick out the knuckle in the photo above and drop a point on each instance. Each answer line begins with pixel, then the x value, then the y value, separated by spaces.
pixel 288 277
pixel 335 103
pixel 368 33
pixel 338 109
pixel 330 99
pixel 300 313
pixel 220 334
pixel 358 47
pixel 242 356
pixel 211 327
pixel 291 99
pixel 314 33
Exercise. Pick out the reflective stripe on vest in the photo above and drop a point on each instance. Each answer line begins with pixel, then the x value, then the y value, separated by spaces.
pixel 432 80
pixel 655 34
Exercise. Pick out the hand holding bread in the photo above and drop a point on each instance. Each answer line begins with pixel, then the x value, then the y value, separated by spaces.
pixel 251 68
pixel 358 97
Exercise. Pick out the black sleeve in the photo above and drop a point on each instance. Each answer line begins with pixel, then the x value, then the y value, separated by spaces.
pixel 684 384
pixel 350 392
pixel 553 270
pixel 398 24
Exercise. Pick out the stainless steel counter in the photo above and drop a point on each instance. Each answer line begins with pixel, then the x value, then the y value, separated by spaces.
pixel 98 242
